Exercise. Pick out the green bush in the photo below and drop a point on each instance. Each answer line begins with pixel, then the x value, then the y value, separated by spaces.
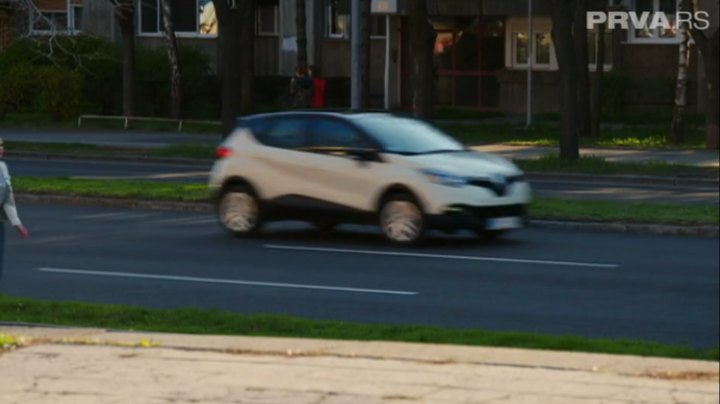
pixel 98 63
pixel 18 88
pixel 59 94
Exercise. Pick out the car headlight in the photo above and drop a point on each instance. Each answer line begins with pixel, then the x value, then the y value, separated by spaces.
pixel 444 178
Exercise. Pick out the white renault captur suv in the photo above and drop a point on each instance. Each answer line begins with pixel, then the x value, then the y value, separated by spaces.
pixel 331 168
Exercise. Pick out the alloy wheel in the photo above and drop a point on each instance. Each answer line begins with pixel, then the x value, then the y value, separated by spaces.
pixel 401 221
pixel 239 212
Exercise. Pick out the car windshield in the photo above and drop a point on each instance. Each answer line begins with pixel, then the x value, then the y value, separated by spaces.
pixel 408 136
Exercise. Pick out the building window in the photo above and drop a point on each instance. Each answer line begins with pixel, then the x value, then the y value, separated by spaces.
pixel 50 22
pixel 190 17
pixel 377 26
pixel 267 20
pixel 657 34
pixel 541 56
pixel 76 17
pixel 517 44
pixel 338 25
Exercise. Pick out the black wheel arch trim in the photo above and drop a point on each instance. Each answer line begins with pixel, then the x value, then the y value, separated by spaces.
pixel 397 189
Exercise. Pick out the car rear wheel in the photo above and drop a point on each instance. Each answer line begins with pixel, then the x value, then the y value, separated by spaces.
pixel 239 211
pixel 402 219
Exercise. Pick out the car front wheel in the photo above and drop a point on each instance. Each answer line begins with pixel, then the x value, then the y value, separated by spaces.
pixel 239 211
pixel 401 219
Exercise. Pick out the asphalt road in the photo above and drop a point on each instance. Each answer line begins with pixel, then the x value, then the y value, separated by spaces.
pixel 538 280
pixel 97 169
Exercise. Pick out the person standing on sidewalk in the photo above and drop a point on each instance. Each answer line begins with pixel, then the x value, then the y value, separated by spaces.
pixel 9 211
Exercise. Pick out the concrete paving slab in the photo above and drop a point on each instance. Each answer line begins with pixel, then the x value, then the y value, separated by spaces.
pixel 67 365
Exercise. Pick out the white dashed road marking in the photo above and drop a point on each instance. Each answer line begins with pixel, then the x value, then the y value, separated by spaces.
pixel 225 281
pixel 439 256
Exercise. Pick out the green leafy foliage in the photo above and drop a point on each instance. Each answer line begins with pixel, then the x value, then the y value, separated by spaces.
pixel 98 63
pixel 59 93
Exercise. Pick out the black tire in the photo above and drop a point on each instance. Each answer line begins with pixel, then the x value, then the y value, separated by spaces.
pixel 490 235
pixel 230 214
pixel 410 233
pixel 324 226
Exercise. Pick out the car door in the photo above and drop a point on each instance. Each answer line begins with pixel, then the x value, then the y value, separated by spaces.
pixel 341 177
pixel 283 161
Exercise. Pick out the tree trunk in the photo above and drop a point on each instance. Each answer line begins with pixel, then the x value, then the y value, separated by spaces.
pixel 175 77
pixel 712 73
pixel 709 48
pixel 301 28
pixel 125 16
pixel 596 106
pixel 583 75
pixel 229 61
pixel 563 14
pixel 421 44
pixel 678 120
pixel 365 53
pixel 247 63
pixel 235 67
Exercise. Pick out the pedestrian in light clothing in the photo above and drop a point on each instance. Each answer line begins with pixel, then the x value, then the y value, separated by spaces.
pixel 9 211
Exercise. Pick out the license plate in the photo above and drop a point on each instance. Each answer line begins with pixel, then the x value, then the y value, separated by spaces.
pixel 501 223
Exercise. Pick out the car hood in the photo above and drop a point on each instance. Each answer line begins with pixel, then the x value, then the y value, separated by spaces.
pixel 466 163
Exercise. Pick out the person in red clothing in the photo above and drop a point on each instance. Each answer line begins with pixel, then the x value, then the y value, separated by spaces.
pixel 318 88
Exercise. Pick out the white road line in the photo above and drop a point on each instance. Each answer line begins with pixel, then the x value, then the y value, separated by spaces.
pixel 225 281
pixel 440 256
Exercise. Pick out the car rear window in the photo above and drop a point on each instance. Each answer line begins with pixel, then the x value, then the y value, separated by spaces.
pixel 286 133
pixel 257 126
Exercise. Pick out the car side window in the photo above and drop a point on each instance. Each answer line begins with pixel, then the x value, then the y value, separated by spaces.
pixel 335 134
pixel 288 133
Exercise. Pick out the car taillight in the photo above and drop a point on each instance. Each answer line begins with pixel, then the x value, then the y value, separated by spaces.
pixel 222 152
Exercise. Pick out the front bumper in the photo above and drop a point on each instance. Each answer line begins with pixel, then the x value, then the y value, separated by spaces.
pixel 474 217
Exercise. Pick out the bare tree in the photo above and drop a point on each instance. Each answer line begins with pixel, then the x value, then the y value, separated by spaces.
pixel 421 45
pixel 708 43
pixel 175 75
pixel 596 82
pixel 678 119
pixel 236 36
pixel 563 16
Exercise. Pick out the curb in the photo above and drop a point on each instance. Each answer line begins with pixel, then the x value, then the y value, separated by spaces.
pixel 200 207
pixel 196 207
pixel 114 157
pixel 636 228
pixel 373 349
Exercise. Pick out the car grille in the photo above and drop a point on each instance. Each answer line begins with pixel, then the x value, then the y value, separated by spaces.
pixel 498 184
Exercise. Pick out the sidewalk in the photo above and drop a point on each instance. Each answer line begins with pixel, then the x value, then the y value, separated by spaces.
pixel 71 365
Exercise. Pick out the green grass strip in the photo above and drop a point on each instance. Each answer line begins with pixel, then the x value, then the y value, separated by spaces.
pixel 195 151
pixel 541 208
pixel 128 189
pixel 197 321
pixel 599 165
pixel 615 211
